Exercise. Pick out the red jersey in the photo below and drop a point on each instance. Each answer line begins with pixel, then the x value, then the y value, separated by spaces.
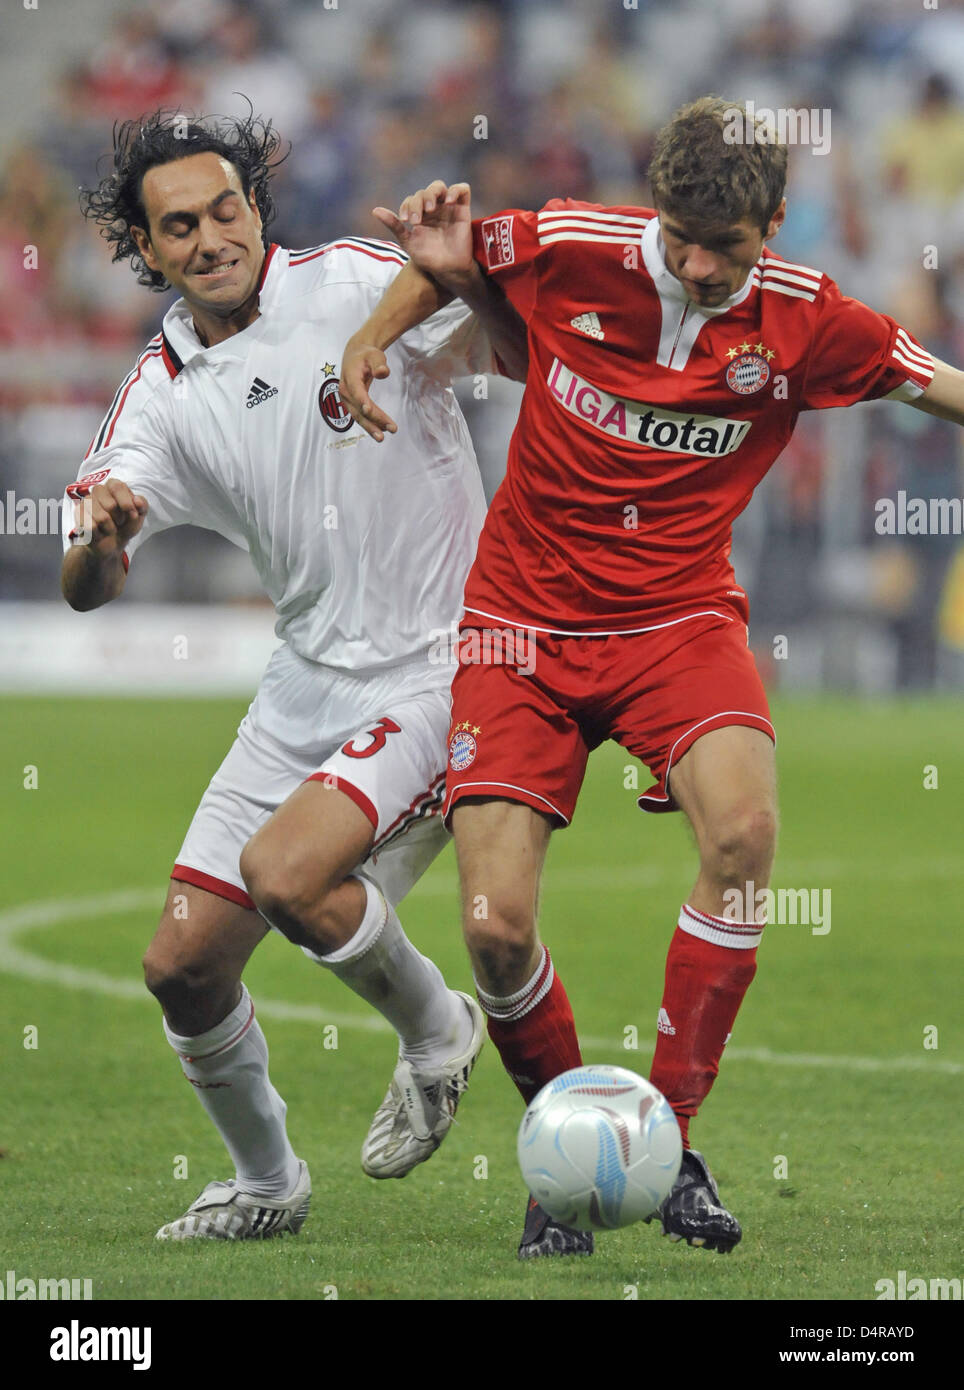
pixel 648 420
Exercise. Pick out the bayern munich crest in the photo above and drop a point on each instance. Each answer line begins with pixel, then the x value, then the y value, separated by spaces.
pixel 463 748
pixel 330 404
pixel 749 368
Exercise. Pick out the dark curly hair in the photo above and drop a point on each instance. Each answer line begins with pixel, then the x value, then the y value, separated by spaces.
pixel 249 143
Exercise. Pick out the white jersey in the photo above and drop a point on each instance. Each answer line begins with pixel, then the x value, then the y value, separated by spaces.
pixel 363 548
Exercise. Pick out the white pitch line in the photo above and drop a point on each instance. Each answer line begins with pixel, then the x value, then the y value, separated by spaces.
pixel 14 960
pixel 32 916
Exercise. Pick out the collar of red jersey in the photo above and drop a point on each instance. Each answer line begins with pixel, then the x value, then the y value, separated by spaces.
pixel 667 284
pixel 179 320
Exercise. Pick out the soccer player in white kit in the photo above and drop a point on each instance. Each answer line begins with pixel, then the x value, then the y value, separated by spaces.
pixel 231 420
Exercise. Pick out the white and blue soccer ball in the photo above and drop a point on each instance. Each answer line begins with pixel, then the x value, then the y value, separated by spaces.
pixel 599 1147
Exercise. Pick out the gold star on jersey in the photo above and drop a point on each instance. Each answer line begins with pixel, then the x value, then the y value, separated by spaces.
pixel 749 367
pixel 463 747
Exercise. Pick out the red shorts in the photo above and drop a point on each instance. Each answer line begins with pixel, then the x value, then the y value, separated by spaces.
pixel 523 727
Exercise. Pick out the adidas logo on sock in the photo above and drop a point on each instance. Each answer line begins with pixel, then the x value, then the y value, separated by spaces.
pixel 588 324
pixel 260 391
pixel 663 1024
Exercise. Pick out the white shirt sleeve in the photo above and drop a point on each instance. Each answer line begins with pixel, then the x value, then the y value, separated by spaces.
pixel 140 454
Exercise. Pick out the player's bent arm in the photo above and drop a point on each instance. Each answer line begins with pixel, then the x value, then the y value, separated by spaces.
pixel 88 581
pixel 434 228
pixel 93 571
pixel 411 298
pixel 944 397
pixel 505 328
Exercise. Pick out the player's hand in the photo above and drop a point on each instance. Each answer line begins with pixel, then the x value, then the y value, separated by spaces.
pixel 361 365
pixel 434 228
pixel 108 518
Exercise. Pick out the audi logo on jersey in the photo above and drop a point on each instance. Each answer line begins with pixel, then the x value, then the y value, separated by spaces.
pixel 81 489
pixel 330 404
pixel 497 236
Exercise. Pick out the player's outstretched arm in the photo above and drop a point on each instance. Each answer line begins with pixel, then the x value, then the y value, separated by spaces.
pixel 944 396
pixel 105 521
pixel 434 228
pixel 411 298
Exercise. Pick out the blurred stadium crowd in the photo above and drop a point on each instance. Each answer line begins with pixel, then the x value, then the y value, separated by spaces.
pixel 379 96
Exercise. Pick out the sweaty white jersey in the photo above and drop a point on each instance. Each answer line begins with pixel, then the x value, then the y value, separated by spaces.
pixel 363 548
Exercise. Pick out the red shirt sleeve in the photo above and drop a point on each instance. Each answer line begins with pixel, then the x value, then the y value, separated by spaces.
pixel 506 247
pixel 860 355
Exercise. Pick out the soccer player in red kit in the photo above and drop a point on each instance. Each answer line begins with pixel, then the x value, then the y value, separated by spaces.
pixel 670 353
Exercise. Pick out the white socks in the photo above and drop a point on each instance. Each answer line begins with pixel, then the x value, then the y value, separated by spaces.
pixel 382 966
pixel 228 1065
pixel 228 1068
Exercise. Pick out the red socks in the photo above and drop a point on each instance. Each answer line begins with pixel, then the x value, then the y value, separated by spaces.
pixel 534 1030
pixel 710 965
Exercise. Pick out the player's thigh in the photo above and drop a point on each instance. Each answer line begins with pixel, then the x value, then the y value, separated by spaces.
pixel 501 849
pixel 307 847
pixel 203 941
pixel 364 798
pixel 726 785
pixel 256 776
pixel 697 714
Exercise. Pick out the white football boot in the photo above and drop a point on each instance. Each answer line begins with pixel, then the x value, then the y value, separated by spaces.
pixel 224 1212
pixel 419 1107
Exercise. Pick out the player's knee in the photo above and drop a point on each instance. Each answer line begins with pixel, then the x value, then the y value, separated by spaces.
pixel 741 847
pixel 500 942
pixel 288 891
pixel 179 978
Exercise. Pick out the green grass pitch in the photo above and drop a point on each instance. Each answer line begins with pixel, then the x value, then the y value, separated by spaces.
pixel 828 1077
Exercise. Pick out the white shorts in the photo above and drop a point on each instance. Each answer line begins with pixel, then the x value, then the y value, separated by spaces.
pixel 380 739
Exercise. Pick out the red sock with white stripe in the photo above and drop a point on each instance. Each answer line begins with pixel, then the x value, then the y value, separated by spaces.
pixel 709 967
pixel 533 1030
pixel 228 1068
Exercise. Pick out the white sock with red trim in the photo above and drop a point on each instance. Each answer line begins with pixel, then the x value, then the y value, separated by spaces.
pixel 382 966
pixel 228 1068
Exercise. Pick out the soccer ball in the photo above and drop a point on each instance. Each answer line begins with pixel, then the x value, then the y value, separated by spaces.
pixel 599 1147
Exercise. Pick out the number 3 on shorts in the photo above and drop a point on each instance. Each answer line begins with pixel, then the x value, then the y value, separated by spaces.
pixel 379 735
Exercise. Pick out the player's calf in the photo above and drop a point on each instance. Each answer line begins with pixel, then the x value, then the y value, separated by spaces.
pixel 726 786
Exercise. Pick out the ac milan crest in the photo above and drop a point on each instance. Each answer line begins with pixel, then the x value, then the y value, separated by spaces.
pixel 333 412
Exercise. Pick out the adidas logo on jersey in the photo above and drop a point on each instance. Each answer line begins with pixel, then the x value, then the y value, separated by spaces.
pixel 260 392
pixel 588 324
pixel 663 1024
